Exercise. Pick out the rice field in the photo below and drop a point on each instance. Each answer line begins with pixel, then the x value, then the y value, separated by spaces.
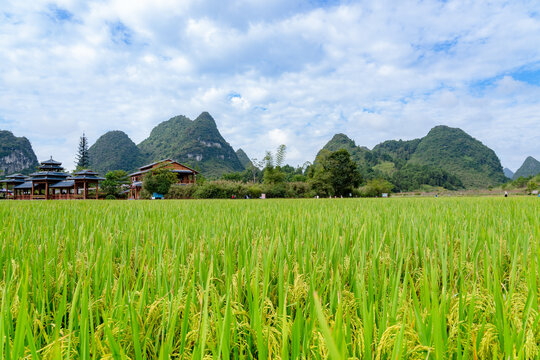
pixel 310 279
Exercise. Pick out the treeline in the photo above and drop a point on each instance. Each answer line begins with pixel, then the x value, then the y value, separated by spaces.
pixel 528 184
pixel 333 174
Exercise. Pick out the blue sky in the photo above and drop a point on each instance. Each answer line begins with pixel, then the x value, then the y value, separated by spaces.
pixel 272 72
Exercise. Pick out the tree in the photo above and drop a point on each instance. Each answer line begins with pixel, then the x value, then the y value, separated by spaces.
pixel 272 171
pixel 334 173
pixel 377 187
pixel 159 181
pixel 112 185
pixel 83 159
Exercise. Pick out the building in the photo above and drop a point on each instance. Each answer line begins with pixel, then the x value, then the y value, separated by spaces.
pixel 52 183
pixel 184 174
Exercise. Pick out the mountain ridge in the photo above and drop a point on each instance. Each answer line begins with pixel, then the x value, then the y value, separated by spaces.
pixel 16 154
pixel 197 143
pixel 449 149
pixel 530 167
pixel 114 150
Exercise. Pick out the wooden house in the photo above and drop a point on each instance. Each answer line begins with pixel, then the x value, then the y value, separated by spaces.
pixel 184 174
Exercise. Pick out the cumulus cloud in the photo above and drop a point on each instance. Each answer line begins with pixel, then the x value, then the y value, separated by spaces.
pixel 289 71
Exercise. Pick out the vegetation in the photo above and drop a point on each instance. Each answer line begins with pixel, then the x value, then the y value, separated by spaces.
pixel 112 185
pixel 159 181
pixel 334 174
pixel 114 151
pixel 368 279
pixel 412 177
pixel 243 158
pixel 375 188
pixel 453 150
pixel 83 158
pixel 446 157
pixel 528 184
pixel 195 143
pixel 16 154
pixel 530 167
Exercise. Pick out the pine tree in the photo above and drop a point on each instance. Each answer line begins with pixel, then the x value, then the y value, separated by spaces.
pixel 83 159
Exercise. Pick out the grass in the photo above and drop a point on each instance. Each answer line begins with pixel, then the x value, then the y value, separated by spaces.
pixel 370 279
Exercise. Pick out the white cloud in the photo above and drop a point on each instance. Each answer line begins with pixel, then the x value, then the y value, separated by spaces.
pixel 301 72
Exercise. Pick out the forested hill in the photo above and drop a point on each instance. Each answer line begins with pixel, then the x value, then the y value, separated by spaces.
pixel 114 151
pixel 16 154
pixel 197 143
pixel 243 158
pixel 530 167
pixel 440 158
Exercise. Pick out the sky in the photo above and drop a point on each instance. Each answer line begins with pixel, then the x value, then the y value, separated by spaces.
pixel 272 72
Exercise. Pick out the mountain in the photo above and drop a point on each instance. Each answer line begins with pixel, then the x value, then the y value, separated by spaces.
pixel 398 149
pixel 449 155
pixel 455 151
pixel 508 173
pixel 243 158
pixel 16 154
pixel 530 166
pixel 197 143
pixel 360 154
pixel 114 151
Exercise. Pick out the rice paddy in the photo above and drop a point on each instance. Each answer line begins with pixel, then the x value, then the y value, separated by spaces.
pixel 310 279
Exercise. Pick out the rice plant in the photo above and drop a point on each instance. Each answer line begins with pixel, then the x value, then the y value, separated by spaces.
pixel 275 279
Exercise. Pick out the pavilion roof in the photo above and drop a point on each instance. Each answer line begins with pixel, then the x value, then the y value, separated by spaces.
pixel 16 176
pixel 51 162
pixel 87 175
pixel 25 185
pixel 64 184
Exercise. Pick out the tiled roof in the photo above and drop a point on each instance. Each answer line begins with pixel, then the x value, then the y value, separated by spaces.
pixel 25 185
pixel 64 184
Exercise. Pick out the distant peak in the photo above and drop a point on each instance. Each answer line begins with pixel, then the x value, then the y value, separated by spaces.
pixel 205 116
pixel 341 137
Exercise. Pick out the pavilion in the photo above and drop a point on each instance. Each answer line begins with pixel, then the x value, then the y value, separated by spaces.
pixel 52 183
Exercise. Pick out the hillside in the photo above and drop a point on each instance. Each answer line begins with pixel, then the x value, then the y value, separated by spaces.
pixel 360 154
pixel 197 143
pixel 243 158
pixel 16 154
pixel 460 154
pixel 114 151
pixel 530 167
pixel 448 155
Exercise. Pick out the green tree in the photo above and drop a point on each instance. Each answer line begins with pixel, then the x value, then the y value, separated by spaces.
pixel 334 173
pixel 112 185
pixel 377 187
pixel 272 171
pixel 83 159
pixel 159 181
pixel 531 185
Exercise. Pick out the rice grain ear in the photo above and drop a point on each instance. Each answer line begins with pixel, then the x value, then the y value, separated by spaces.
pixel 325 329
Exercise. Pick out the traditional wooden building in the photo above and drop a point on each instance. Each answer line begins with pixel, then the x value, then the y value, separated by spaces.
pixel 184 174
pixel 52 183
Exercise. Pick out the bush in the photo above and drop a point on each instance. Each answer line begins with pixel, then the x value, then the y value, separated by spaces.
pixel 178 191
pixel 145 195
pixel 110 197
pixel 254 191
pixel 220 189
pixel 375 188
pixel 275 190
pixel 299 190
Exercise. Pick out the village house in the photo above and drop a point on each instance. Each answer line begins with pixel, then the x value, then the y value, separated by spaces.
pixel 52 183
pixel 184 174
